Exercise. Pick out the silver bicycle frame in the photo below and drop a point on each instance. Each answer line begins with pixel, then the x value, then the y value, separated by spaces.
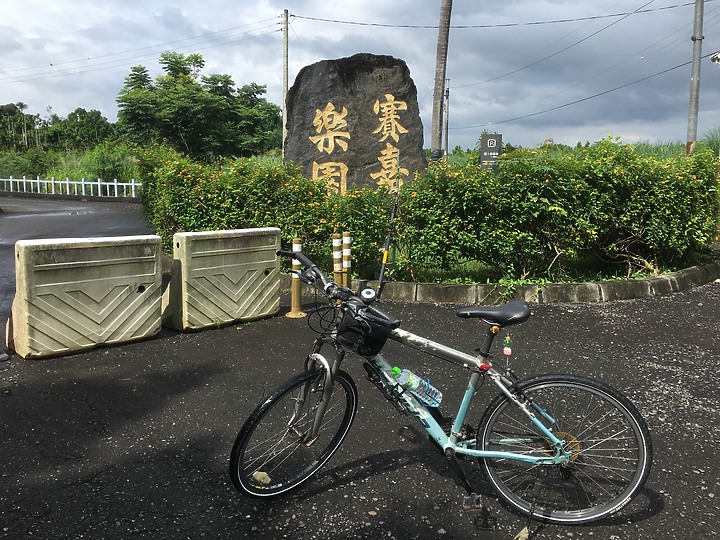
pixel 452 442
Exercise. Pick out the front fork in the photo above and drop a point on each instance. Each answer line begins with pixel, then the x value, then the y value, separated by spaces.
pixel 316 362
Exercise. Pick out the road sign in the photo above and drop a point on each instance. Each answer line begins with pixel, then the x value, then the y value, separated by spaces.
pixel 490 149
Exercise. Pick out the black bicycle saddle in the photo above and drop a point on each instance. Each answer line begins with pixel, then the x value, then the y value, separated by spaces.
pixel 511 313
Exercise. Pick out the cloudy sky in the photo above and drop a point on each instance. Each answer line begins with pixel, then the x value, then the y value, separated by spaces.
pixel 531 70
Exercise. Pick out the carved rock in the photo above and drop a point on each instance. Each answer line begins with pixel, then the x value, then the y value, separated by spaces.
pixel 350 119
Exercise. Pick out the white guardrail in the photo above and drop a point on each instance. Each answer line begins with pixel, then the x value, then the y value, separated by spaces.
pixel 80 188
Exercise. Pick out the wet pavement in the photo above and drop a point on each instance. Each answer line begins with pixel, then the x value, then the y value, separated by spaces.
pixel 133 441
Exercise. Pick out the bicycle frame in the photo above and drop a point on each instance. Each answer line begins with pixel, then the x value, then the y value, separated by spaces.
pixel 451 444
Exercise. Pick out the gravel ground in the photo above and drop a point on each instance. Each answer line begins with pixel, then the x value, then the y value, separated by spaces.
pixel 133 441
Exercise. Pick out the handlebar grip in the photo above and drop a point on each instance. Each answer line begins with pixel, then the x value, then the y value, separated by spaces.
pixel 298 255
pixel 383 319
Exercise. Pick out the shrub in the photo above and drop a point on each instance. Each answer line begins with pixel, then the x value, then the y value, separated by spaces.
pixel 652 212
pixel 365 213
pixel 605 208
pixel 548 211
pixel 181 195
pixel 30 163
pixel 107 161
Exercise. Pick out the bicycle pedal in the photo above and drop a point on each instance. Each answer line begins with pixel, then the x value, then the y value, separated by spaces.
pixel 472 503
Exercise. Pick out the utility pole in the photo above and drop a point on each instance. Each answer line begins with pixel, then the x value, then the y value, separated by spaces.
pixel 697 38
pixel 285 80
pixel 439 89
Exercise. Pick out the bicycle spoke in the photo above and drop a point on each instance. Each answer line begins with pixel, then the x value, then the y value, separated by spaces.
pixel 608 451
pixel 271 454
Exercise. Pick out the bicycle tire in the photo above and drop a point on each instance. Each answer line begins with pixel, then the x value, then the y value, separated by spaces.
pixel 610 441
pixel 270 455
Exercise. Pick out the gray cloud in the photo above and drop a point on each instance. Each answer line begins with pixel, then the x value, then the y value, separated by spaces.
pixel 501 77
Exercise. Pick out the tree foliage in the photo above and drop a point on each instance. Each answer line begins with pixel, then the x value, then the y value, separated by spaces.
pixel 81 130
pixel 204 117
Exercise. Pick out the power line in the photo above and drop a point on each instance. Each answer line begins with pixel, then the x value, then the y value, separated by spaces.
pixel 496 25
pixel 581 100
pixel 560 51
pixel 205 38
pixel 655 49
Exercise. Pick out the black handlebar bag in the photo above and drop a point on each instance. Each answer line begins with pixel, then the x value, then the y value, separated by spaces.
pixel 362 332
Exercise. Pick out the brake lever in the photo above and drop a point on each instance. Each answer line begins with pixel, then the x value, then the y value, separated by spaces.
pixel 342 293
pixel 306 276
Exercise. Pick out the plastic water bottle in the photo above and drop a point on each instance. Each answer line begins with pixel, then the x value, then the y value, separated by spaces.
pixel 420 388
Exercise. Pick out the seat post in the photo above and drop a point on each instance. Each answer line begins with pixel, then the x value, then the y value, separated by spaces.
pixel 484 349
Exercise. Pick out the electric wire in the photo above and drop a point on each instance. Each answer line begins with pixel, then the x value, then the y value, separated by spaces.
pixel 656 49
pixel 496 25
pixel 51 71
pixel 581 100
pixel 155 46
pixel 564 49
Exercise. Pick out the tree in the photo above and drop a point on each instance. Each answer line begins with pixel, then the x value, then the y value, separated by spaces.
pixel 11 121
pixel 440 69
pixel 82 130
pixel 204 117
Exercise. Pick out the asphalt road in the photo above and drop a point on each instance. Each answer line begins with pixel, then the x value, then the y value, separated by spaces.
pixel 34 218
pixel 132 441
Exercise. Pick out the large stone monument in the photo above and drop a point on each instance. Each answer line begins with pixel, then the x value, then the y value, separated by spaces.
pixel 355 121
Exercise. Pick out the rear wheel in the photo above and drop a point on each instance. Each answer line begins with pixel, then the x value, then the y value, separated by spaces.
pixel 610 447
pixel 274 452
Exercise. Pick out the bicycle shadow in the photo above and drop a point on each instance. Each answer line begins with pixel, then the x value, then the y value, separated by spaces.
pixel 646 505
pixel 369 466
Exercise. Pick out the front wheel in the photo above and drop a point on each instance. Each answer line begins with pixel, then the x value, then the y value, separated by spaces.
pixel 610 447
pixel 274 451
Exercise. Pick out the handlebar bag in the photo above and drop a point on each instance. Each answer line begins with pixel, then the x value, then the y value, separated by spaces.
pixel 360 334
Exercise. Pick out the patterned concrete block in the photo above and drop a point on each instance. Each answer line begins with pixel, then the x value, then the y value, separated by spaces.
pixel 221 277
pixel 75 294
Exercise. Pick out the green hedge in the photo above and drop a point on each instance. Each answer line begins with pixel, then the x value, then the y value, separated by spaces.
pixel 543 215
pixel 180 195
pixel 553 215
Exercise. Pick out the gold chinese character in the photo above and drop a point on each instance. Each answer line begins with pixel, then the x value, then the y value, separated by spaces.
pixel 334 172
pixel 390 174
pixel 389 124
pixel 329 124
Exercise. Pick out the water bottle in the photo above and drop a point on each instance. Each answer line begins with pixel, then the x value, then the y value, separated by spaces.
pixel 420 388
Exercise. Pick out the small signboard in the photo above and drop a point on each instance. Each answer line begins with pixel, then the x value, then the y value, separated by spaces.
pixel 490 149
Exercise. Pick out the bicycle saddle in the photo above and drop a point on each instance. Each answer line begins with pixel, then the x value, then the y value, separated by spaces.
pixel 511 313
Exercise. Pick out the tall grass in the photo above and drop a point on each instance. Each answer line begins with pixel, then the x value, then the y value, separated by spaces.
pixel 660 150
pixel 107 161
pixel 712 140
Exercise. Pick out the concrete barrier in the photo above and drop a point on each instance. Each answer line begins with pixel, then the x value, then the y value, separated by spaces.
pixel 76 293
pixel 221 277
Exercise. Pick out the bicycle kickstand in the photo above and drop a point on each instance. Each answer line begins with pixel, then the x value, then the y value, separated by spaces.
pixel 472 502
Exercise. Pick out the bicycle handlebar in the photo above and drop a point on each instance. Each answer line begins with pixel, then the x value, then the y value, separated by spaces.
pixel 336 292
pixel 329 286
pixel 298 255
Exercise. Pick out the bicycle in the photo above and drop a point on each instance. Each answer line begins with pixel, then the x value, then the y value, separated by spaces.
pixel 558 448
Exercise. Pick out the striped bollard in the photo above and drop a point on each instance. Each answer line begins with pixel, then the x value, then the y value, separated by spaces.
pixel 347 260
pixel 337 258
pixel 296 311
